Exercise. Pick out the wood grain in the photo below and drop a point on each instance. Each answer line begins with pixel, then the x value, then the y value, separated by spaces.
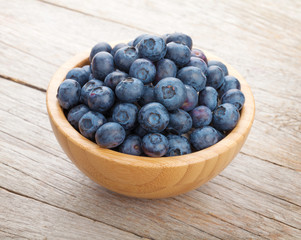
pixel 259 38
pixel 204 212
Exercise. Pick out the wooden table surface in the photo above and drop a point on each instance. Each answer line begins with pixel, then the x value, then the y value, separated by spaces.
pixel 44 196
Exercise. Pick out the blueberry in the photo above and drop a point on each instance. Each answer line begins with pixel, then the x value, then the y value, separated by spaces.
pixel 220 135
pixel 180 38
pixel 144 70
pixel 215 77
pixel 165 68
pixel 200 54
pixel 152 48
pixel 131 145
pixel 75 114
pixel 68 93
pixel 201 116
pixel 124 58
pixel 178 53
pixel 219 64
pixel 129 90
pixel 165 36
pixel 153 117
pixel 117 47
pixel 225 117
pixel 198 62
pixel 125 114
pixel 234 96
pixel 87 69
pixel 178 145
pixel 171 92
pixel 110 135
pixel 148 95
pixel 91 77
pixel 114 78
pixel 101 99
pixel 208 98
pixel 139 38
pixel 78 74
pixel 102 65
pixel 140 131
pixel 155 144
pixel 192 76
pixel 100 47
pixel 89 123
pixel 87 88
pixel 179 122
pixel 191 100
pixel 229 83
pixel 204 137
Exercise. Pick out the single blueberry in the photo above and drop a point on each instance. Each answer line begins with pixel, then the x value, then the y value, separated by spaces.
pixel 204 137
pixel 87 88
pixel 114 78
pixel 148 95
pixel 129 90
pixel 102 65
pixel 125 114
pixel 87 69
pixel 91 77
pixel 201 116
pixel 208 98
pixel 234 96
pixel 152 47
pixel 219 64
pixel 68 93
pixel 110 135
pixel 199 63
pixel 101 99
pixel 78 74
pixel 155 144
pixel 191 100
pixel 229 83
pixel 89 123
pixel 165 68
pixel 131 145
pixel 124 58
pixel 153 117
pixel 215 77
pixel 170 92
pixel 178 53
pixel 139 38
pixel 75 114
pixel 100 47
pixel 180 38
pixel 225 117
pixel 192 76
pixel 117 47
pixel 200 54
pixel 179 122
pixel 144 70
pixel 178 145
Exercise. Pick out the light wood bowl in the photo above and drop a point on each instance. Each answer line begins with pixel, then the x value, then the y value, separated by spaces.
pixel 146 177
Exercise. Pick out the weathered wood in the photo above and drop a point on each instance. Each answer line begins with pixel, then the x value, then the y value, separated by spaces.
pixel 205 213
pixel 23 217
pixel 256 197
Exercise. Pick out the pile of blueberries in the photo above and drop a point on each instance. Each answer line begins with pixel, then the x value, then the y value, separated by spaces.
pixel 154 96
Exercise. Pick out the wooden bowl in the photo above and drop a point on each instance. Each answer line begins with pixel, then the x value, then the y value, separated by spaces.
pixel 146 177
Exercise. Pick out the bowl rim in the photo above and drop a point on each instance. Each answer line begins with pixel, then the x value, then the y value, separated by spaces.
pixel 56 115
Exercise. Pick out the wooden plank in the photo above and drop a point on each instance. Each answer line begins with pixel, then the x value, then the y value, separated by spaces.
pixel 34 42
pixel 23 217
pixel 67 188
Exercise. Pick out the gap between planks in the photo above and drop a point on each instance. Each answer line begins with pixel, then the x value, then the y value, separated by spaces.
pixel 91 15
